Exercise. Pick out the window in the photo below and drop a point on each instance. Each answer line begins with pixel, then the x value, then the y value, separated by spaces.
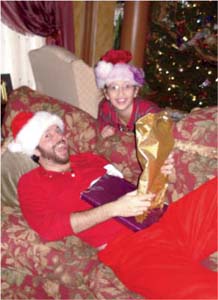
pixel 14 56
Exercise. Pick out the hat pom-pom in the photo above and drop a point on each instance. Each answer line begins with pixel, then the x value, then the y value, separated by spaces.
pixel 102 70
pixel 117 56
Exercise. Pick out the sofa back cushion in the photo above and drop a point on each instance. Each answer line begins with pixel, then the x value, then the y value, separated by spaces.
pixel 199 127
pixel 80 127
pixel 120 150
pixel 195 151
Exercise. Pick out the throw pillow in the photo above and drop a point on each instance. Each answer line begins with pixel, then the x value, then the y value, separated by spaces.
pixel 13 166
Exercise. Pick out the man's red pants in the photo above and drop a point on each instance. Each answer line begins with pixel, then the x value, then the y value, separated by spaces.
pixel 164 261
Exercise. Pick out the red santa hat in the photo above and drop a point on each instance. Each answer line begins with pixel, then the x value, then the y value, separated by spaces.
pixel 114 66
pixel 28 128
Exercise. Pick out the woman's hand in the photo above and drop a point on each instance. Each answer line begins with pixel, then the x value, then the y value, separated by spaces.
pixel 107 131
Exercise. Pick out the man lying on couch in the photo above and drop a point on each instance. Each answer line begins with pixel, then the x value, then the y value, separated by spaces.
pixel 50 195
pixel 50 201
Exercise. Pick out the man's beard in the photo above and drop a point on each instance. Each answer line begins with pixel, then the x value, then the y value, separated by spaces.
pixel 52 156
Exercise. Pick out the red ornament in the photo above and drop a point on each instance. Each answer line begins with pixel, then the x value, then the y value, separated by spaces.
pixel 117 56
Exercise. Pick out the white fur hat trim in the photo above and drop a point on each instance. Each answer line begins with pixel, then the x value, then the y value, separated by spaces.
pixel 106 73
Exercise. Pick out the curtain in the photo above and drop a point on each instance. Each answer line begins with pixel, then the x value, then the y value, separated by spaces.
pixel 14 56
pixel 50 19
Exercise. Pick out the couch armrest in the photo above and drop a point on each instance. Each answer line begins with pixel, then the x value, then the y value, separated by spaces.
pixel 60 74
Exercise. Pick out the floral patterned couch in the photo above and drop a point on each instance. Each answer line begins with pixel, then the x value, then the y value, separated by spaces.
pixel 70 269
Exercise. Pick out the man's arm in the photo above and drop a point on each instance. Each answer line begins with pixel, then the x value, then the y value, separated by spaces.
pixel 128 205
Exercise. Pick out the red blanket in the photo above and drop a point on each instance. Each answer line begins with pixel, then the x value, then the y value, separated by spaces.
pixel 164 260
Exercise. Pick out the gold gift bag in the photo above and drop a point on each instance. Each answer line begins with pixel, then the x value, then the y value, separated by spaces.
pixel 154 143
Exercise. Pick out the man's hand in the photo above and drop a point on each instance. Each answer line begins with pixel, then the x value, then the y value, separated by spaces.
pixel 168 166
pixel 129 205
pixel 132 204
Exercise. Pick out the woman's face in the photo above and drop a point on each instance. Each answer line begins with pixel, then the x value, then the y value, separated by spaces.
pixel 121 94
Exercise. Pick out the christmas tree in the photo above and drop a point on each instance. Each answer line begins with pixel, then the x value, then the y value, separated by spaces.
pixel 181 57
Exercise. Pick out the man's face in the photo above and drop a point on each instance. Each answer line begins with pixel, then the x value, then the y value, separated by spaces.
pixel 53 146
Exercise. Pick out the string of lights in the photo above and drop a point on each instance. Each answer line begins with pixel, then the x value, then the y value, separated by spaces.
pixel 181 59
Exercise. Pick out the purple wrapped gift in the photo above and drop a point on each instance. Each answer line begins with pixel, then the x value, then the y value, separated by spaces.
pixel 109 188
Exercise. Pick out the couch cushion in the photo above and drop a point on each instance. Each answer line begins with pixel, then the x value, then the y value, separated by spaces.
pixel 199 127
pixel 120 150
pixel 67 269
pixel 195 151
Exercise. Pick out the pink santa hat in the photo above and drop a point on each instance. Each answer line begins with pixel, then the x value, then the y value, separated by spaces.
pixel 28 128
pixel 114 66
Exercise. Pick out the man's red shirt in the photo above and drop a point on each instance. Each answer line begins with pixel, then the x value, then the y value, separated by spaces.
pixel 48 198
